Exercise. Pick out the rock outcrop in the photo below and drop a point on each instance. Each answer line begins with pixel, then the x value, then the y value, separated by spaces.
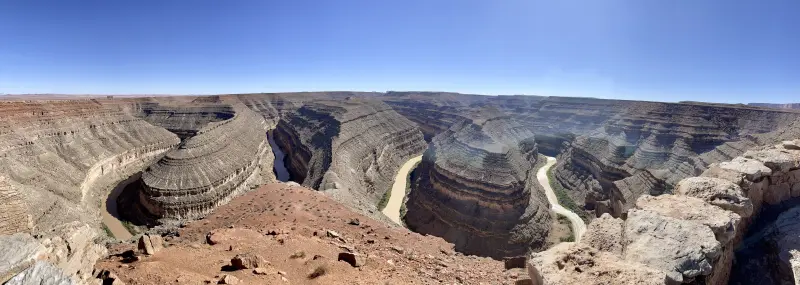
pixel 690 236
pixel 351 149
pixel 475 189
pixel 223 160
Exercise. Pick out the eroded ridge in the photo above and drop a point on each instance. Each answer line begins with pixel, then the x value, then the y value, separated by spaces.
pixel 351 148
pixel 686 237
pixel 474 189
pixel 58 156
pixel 223 160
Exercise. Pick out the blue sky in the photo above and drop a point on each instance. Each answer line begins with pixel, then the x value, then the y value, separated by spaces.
pixel 665 50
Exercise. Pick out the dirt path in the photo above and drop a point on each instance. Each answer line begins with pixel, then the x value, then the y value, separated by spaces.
pixel 392 209
pixel 578 226
pixel 109 210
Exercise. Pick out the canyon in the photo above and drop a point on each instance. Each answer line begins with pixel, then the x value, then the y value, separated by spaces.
pixel 671 192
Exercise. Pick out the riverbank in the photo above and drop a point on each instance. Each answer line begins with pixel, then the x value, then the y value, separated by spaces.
pixel 398 192
pixel 578 225
pixel 110 214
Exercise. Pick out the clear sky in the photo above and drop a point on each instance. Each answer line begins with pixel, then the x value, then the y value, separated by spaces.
pixel 664 50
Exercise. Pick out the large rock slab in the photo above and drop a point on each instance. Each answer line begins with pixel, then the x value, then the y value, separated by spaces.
pixel 41 273
pixel 680 248
pixel 17 253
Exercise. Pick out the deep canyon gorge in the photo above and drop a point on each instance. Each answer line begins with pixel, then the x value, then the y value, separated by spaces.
pixel 672 193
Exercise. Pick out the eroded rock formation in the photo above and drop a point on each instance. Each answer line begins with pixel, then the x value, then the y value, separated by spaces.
pixel 223 160
pixel 475 189
pixel 690 237
pixel 351 148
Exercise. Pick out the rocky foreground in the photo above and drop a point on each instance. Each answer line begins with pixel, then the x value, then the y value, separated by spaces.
pixel 690 236
pixel 293 235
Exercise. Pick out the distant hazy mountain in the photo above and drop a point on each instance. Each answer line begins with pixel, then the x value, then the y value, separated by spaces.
pixel 779 106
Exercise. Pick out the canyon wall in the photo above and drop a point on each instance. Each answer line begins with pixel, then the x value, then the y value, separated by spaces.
pixel 224 159
pixel 476 189
pixel 58 161
pixel 778 106
pixel 612 151
pixel 349 148
pixel 686 237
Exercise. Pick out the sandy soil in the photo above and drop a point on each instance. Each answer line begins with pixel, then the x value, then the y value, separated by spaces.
pixel 287 226
pixel 392 209
pixel 109 212
pixel 578 226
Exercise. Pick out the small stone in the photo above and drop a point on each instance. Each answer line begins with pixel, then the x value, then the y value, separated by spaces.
pixel 370 241
pixel 260 271
pixel 284 279
pixel 398 249
pixel 228 279
pixel 354 259
pixel 390 262
pixel 332 234
pixel 282 273
pixel 354 222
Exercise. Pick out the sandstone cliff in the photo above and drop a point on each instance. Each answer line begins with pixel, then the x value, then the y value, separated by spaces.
pixel 351 148
pixel 475 190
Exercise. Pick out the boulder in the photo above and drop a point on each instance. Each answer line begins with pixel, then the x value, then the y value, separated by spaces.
pixel 17 252
pixel 41 273
pixel 579 264
pixel 248 261
pixel 150 244
pixel 723 223
pixel 354 259
pixel 718 192
pixel 228 279
pixel 681 249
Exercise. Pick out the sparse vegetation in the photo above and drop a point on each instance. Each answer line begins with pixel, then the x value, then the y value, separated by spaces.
pixel 133 229
pixel 107 231
pixel 563 198
pixel 385 200
pixel 299 254
pixel 319 271
pixel 564 221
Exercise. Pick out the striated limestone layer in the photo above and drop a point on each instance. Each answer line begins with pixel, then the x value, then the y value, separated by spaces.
pixel 184 119
pixel 350 148
pixel 690 236
pixel 474 189
pixel 612 151
pixel 58 158
pixel 223 160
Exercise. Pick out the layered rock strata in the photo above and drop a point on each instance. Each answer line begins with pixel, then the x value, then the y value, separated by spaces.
pixel 689 236
pixel 58 156
pixel 223 160
pixel 643 147
pixel 183 119
pixel 475 189
pixel 350 148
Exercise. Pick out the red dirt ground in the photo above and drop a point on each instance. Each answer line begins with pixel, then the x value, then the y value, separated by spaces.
pixel 300 219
